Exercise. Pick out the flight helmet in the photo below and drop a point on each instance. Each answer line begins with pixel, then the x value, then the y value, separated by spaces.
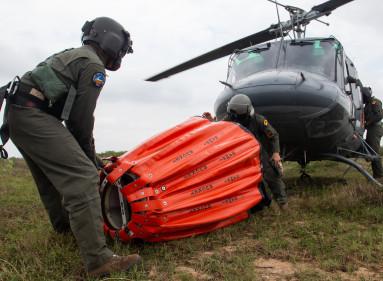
pixel 367 94
pixel 240 109
pixel 110 37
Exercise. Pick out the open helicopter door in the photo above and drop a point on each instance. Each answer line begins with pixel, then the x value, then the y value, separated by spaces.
pixel 194 178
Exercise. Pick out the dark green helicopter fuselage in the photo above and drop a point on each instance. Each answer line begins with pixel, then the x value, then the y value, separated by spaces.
pixel 300 86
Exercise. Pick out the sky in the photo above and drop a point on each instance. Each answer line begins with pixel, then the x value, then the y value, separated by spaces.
pixel 166 33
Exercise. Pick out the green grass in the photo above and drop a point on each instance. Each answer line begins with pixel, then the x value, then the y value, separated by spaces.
pixel 332 230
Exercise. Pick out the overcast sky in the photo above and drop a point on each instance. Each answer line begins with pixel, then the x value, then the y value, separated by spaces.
pixel 166 33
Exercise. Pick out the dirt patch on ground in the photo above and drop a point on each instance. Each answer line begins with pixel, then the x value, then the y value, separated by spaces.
pixel 276 270
pixel 183 270
pixel 229 249
pixel 207 254
pixel 226 250
pixel 362 274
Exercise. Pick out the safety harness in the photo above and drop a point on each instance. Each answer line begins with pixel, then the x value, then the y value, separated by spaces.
pixel 16 92
pixel 50 87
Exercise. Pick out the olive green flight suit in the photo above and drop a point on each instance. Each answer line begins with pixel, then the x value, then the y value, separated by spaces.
pixel 373 114
pixel 269 139
pixel 62 158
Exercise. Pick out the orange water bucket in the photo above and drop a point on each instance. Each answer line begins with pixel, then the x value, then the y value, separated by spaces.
pixel 193 178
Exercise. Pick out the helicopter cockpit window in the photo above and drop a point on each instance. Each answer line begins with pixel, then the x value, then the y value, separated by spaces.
pixel 355 90
pixel 317 56
pixel 247 62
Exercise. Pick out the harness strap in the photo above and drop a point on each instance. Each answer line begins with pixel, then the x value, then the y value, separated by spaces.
pixel 69 103
pixel 20 94
pixel 25 96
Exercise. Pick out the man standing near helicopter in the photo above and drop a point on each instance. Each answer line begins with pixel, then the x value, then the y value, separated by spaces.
pixel 240 109
pixel 373 114
pixel 63 161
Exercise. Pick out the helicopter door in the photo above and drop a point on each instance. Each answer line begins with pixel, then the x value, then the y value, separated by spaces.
pixel 356 96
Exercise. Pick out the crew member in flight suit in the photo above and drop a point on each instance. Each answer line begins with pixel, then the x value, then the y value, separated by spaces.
pixel 240 109
pixel 62 159
pixel 373 115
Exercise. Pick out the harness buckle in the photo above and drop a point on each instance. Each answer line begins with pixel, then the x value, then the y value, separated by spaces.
pixel 13 86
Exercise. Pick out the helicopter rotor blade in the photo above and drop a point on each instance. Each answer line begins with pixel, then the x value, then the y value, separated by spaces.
pixel 330 5
pixel 220 52
pixel 273 32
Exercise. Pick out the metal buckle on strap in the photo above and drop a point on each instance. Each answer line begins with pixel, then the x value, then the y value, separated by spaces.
pixel 13 86
pixel 3 152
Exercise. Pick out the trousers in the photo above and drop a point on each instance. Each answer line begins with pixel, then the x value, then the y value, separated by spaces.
pixel 374 134
pixel 273 181
pixel 66 179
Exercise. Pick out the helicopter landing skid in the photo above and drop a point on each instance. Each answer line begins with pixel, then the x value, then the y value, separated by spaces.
pixel 352 163
pixel 305 178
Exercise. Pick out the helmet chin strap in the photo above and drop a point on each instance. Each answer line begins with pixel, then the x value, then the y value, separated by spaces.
pixel 100 53
pixel 109 64
pixel 113 65
pixel 245 121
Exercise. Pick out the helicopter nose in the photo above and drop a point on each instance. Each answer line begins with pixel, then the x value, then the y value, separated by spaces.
pixel 289 93
pixel 297 104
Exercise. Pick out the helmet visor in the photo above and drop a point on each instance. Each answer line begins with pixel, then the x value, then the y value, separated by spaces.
pixel 238 108
pixel 240 118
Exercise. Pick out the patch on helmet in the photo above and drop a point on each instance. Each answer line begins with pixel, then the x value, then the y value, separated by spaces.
pixel 98 79
pixel 265 122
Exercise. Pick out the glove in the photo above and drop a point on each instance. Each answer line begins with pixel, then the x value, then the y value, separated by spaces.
pixel 276 164
pixel 208 116
pixel 277 167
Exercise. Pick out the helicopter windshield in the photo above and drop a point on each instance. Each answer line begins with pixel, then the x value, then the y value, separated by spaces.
pixel 317 56
pixel 247 62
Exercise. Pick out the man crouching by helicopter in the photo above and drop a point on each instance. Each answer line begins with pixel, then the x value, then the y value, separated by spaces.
pixel 240 109
pixel 373 114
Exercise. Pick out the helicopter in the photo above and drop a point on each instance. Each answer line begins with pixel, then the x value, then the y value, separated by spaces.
pixel 308 88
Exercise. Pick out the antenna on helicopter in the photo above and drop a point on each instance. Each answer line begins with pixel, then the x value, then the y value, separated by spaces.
pixel 296 14
pixel 276 7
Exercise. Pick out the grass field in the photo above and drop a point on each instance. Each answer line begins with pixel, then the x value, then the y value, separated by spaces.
pixel 333 231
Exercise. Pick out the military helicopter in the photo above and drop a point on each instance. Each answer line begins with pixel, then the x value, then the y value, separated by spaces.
pixel 306 87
